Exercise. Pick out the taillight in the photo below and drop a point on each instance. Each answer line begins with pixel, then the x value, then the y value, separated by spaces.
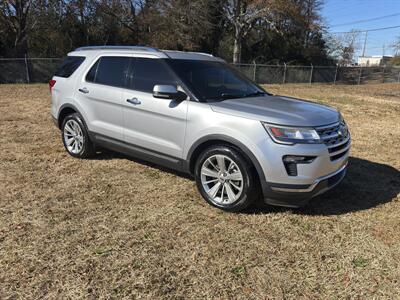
pixel 52 82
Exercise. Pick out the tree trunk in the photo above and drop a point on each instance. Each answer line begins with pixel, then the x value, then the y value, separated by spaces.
pixel 22 9
pixel 21 44
pixel 238 11
pixel 237 46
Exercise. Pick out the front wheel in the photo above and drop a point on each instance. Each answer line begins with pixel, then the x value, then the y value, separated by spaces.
pixel 226 179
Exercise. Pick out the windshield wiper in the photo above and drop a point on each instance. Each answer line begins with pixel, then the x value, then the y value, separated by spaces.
pixel 224 96
pixel 255 94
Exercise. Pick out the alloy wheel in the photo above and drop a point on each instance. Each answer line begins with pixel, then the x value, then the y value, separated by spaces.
pixel 221 179
pixel 73 136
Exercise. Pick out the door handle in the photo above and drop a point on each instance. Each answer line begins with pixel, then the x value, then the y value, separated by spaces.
pixel 134 101
pixel 84 90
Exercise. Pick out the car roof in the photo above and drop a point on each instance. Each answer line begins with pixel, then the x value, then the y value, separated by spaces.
pixel 148 51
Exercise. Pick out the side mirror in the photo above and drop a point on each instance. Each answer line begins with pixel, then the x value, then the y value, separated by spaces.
pixel 165 91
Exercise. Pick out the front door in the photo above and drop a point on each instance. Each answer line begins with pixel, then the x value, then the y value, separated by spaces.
pixel 153 124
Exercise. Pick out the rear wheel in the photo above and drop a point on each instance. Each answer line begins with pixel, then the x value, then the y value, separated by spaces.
pixel 75 137
pixel 225 178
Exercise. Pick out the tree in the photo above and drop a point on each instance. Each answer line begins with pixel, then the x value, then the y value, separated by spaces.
pixel 342 48
pixel 14 16
pixel 262 30
pixel 295 23
pixel 396 46
pixel 121 17
pixel 243 15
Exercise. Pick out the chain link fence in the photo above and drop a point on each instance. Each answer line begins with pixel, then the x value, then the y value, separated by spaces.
pixel 39 70
pixel 269 74
pixel 27 70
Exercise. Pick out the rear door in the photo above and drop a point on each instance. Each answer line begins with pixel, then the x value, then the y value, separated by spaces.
pixel 151 123
pixel 99 95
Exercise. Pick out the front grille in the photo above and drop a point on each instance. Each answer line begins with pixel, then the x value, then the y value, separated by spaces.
pixel 337 156
pixel 337 138
pixel 339 147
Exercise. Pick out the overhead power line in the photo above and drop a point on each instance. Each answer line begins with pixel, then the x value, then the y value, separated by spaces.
pixel 365 30
pixel 366 20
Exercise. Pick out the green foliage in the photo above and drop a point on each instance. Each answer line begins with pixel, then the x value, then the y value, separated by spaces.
pixel 239 271
pixel 360 262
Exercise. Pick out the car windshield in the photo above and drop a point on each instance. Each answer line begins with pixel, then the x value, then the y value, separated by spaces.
pixel 213 80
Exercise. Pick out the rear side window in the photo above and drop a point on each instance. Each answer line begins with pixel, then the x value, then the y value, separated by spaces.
pixel 109 70
pixel 91 75
pixel 69 65
pixel 147 72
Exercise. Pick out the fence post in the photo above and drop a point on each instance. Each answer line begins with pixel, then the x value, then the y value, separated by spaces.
pixel 334 80
pixel 254 72
pixel 359 76
pixel 383 73
pixel 284 74
pixel 398 78
pixel 27 69
pixel 312 69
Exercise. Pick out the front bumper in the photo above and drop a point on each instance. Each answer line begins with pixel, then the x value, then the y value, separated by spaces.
pixel 291 195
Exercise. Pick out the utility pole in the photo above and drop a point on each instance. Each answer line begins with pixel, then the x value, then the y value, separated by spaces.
pixel 365 43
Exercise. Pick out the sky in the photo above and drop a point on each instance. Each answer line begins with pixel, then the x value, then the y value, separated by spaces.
pixel 338 14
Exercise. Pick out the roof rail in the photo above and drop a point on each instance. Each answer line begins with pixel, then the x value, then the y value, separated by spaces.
pixel 189 52
pixel 139 48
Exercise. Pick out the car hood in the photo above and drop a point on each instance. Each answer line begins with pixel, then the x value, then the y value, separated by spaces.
pixel 278 110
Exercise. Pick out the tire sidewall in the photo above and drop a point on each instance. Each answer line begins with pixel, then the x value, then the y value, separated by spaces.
pixel 86 149
pixel 247 196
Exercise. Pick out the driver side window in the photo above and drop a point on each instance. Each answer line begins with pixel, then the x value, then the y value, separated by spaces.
pixel 147 72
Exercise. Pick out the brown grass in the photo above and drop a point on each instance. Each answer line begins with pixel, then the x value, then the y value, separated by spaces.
pixel 112 227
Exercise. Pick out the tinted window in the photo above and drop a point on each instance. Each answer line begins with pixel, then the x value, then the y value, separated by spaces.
pixel 69 65
pixel 109 70
pixel 91 76
pixel 148 72
pixel 212 80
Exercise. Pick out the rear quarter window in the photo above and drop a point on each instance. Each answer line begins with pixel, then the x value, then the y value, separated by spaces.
pixel 109 70
pixel 69 66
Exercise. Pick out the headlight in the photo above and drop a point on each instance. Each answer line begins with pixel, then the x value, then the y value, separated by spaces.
pixel 292 135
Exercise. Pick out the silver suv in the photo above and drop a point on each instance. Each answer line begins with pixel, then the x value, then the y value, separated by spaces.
pixel 193 112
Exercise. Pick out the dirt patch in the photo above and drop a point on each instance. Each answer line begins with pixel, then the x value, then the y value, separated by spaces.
pixel 115 227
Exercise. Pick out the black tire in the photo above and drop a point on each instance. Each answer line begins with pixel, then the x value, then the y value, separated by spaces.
pixel 87 150
pixel 250 184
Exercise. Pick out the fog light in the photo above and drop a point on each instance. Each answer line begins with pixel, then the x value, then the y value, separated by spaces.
pixel 290 162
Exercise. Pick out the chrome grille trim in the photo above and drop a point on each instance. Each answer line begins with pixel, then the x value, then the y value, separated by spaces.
pixel 328 126
pixel 335 135
pixel 341 143
pixel 327 137
pixel 340 151
pixel 339 156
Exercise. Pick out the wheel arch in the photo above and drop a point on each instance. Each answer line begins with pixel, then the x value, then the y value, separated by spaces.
pixel 65 110
pixel 203 143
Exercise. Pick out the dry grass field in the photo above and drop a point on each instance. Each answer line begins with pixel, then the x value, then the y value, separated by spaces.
pixel 114 227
